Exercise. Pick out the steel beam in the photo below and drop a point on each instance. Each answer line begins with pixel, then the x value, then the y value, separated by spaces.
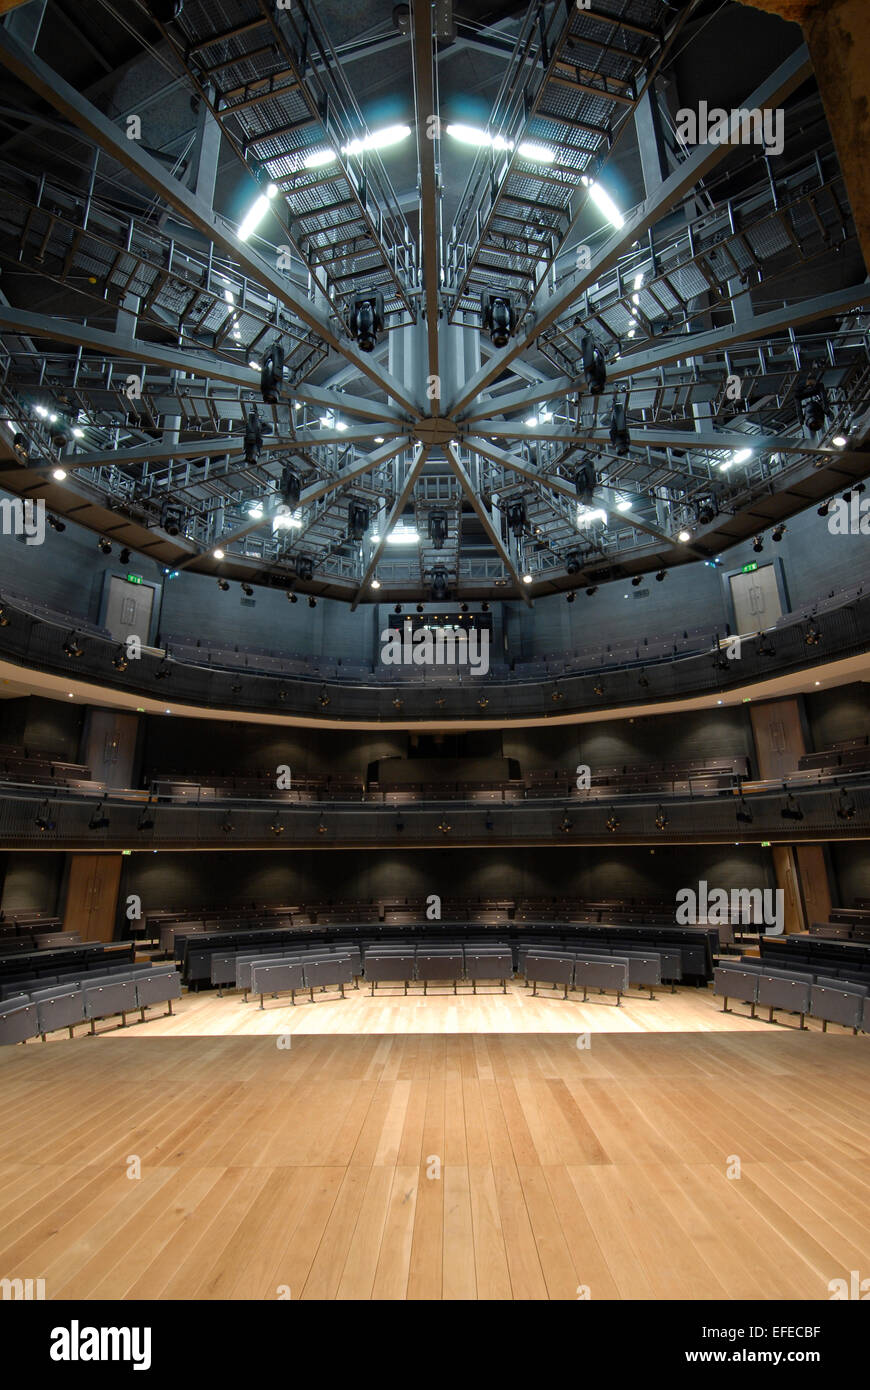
pixel 52 88
pixel 424 93
pixel 14 320
pixel 667 438
pixel 566 489
pixel 732 334
pixel 546 310
pixel 314 492
pixel 396 511
pixel 485 520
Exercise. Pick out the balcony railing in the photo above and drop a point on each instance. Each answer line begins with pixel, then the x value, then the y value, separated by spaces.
pixel 36 642
pixel 133 822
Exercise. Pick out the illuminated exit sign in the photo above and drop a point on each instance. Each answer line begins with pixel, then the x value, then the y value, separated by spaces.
pixel 747 569
pixel 133 578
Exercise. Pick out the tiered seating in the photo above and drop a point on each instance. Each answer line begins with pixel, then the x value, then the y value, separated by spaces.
pixel 21 969
pixel 850 755
pixel 797 990
pixel 260 787
pixel 683 776
pixel 49 1006
pixel 36 767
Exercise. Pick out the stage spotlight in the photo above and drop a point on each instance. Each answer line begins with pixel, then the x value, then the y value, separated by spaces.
pixel 572 563
pixel 598 688
pixel 489 823
pixel 291 597
pixel 124 557
pixel 440 585
pixel 104 545
pixel 594 366
pixel 367 321
pixel 484 607
pixel 569 598
pixel 445 827
pixel 312 601
pixel 437 527
pixel 661 820
pixel 4 616
pixel 98 820
pixel 357 520
pixel 619 436
pixel 706 513
pixel 661 576
pixel 744 813
pixel 304 568
pixel 846 806
pixel 171 519
pixel 71 646
pixel 824 509
pixel 19 444
pixel 253 438
pixel 146 820
pixel 398 704
pixel 758 544
pixel 163 672
pixel 420 608
pixel 272 375
pixel 247 591
pixel 164 11
pixel 43 820
pixel 584 481
pixel 397 610
pixel 227 826
pixel 290 489
pixel 323 697
pixel 638 580
pixel 463 607
pixel 791 810
pixel 223 585
pixel 499 319
pixel 277 826
pixel 400 826
pixel 119 660
pixel 516 516
pixel 813 635
pixel 812 399
pixel 566 824
pixel 56 524
pixel 778 533
pixel 643 680
pixel 593 589
pixel 766 647
pixel 613 822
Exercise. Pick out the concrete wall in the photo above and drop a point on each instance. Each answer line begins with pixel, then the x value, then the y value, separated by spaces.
pixel 68 573
pixel 194 880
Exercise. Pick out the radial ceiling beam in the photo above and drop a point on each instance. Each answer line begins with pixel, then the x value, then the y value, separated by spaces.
pixel 51 87
pixel 485 520
pixel 758 326
pixel 424 95
pixel 13 320
pixel 315 492
pixel 667 438
pixel 398 508
pixel 526 399
pixel 546 310
pixel 566 489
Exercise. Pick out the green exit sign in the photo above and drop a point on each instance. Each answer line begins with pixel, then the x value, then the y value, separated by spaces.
pixel 747 569
pixel 765 844
pixel 126 851
pixel 133 578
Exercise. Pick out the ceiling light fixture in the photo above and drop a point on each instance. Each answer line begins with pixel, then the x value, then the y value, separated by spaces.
pixel 377 140
pixel 603 201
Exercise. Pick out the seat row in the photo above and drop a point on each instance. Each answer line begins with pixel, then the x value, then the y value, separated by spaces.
pixel 601 972
pixel 47 1008
pixel 447 963
pixel 832 1000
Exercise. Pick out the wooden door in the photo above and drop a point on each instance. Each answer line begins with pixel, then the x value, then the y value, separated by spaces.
pixel 92 895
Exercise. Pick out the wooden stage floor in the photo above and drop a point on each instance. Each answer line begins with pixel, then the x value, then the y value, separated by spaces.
pixel 438 1149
